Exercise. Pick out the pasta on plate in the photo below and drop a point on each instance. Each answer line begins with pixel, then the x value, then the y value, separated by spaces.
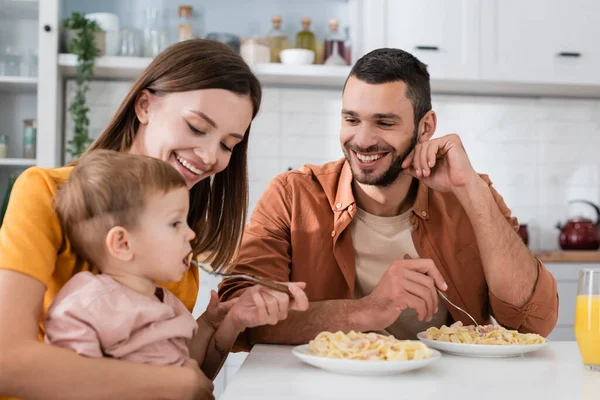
pixel 482 334
pixel 367 346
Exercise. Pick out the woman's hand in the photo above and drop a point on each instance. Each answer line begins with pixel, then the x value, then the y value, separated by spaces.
pixel 217 310
pixel 259 306
pixel 201 388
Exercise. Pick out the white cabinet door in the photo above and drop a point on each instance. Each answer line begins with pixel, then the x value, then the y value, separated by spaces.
pixel 441 33
pixel 540 41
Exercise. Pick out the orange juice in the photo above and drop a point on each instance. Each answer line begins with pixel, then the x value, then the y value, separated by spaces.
pixel 587 328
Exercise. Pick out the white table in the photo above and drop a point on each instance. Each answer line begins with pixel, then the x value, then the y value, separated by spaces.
pixel 556 372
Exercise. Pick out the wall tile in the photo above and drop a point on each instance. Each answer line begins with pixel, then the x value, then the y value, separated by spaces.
pixel 262 168
pixel 261 145
pixel 266 123
pixel 326 148
pixel 308 100
pixel 310 124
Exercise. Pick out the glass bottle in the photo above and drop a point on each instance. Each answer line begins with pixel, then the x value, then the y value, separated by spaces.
pixel 305 39
pixel 185 29
pixel 348 46
pixel 277 39
pixel 3 146
pixel 29 138
pixel 334 48
pixel 155 36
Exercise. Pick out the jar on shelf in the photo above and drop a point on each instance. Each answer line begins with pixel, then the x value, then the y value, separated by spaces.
pixel 277 39
pixel 185 29
pixel 3 146
pixel 29 138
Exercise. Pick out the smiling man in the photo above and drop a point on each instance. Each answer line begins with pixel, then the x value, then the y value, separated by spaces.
pixel 376 234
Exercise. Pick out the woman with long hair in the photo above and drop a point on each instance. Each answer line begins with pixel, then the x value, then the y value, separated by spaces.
pixel 192 107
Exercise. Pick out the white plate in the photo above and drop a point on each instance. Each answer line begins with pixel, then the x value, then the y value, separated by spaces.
pixel 480 350
pixel 362 367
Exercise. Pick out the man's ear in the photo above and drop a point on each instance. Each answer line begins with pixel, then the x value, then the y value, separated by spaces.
pixel 427 126
pixel 118 244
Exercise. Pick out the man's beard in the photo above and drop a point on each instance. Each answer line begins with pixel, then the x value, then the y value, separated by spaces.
pixel 391 174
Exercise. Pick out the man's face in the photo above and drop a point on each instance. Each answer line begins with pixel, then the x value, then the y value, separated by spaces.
pixel 378 130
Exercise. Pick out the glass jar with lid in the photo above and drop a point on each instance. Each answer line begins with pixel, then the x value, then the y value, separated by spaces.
pixel 3 146
pixel 29 138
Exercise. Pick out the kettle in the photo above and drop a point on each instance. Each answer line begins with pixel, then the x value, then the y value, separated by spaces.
pixel 580 233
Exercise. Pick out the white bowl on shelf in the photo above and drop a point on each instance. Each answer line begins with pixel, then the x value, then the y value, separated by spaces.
pixel 297 56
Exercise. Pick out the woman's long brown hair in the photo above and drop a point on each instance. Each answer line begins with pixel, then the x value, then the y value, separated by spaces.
pixel 218 205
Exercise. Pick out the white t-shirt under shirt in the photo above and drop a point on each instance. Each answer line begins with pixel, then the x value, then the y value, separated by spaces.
pixel 378 241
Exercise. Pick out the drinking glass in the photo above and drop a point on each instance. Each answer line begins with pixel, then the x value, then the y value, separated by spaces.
pixel 587 318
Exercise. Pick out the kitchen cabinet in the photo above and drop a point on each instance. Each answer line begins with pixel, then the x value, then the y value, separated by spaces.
pixel 441 33
pixel 540 41
pixel 18 81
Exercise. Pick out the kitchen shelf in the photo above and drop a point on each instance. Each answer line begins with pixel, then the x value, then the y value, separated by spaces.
pixel 130 67
pixel 18 84
pixel 573 256
pixel 19 9
pixel 17 162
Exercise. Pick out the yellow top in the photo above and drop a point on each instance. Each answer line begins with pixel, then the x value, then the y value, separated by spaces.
pixel 32 241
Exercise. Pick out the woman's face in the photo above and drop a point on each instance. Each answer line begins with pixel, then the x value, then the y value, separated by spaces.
pixel 193 131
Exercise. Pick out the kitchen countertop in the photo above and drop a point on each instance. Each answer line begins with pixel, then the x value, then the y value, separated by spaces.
pixel 568 256
pixel 555 372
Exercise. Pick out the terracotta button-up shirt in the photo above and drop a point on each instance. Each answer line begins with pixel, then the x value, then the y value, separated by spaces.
pixel 299 232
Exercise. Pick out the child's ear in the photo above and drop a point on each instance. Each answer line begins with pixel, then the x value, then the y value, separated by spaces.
pixel 118 244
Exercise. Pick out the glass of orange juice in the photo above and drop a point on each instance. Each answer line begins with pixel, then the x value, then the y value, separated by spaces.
pixel 587 317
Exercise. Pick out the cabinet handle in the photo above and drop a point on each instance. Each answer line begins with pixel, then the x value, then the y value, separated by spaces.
pixel 47 28
pixel 429 48
pixel 569 54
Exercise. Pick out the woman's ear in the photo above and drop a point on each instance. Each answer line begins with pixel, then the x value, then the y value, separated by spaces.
pixel 427 126
pixel 142 105
pixel 118 244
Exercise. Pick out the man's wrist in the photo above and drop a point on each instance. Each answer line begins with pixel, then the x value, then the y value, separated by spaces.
pixel 361 317
pixel 230 327
pixel 475 188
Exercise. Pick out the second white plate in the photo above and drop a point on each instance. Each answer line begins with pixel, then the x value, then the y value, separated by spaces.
pixel 362 367
pixel 480 350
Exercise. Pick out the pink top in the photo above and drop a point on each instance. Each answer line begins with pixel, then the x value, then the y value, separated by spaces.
pixel 98 317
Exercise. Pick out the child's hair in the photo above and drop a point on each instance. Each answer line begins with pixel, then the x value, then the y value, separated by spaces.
pixel 107 189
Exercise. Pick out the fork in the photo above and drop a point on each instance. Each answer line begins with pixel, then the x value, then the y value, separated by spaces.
pixel 280 287
pixel 443 296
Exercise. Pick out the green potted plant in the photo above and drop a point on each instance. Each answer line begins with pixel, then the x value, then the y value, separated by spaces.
pixel 83 36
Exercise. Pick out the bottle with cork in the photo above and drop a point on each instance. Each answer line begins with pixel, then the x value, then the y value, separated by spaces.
pixel 305 39
pixel 334 46
pixel 277 39
pixel 185 29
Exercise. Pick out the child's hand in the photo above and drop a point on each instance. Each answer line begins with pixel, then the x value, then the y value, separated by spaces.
pixel 217 310
pixel 259 306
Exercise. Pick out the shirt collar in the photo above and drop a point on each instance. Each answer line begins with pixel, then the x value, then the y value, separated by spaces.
pixel 344 196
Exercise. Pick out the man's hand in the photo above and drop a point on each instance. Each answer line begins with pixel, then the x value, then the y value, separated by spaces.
pixel 259 306
pixel 406 284
pixel 442 164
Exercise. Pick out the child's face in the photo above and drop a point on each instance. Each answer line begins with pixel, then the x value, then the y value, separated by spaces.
pixel 161 241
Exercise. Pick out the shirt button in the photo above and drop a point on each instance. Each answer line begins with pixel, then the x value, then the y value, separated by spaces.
pixel 332 233
pixel 424 213
pixel 350 208
pixel 338 206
